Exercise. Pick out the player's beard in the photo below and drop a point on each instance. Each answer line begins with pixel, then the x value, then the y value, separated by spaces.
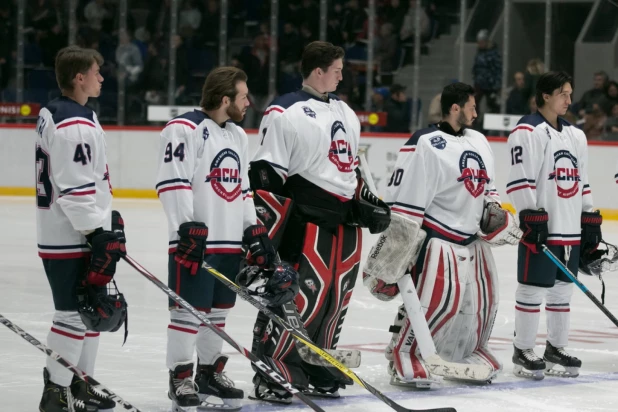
pixel 463 121
pixel 235 113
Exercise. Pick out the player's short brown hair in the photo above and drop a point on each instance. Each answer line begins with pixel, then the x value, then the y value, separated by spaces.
pixel 72 60
pixel 319 54
pixel 221 82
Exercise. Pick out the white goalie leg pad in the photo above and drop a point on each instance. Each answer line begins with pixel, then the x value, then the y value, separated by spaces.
pixel 558 313
pixel 396 249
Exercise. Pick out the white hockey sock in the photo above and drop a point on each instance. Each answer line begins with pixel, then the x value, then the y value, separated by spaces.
pixel 67 338
pixel 181 336
pixel 89 352
pixel 528 301
pixel 558 313
pixel 209 344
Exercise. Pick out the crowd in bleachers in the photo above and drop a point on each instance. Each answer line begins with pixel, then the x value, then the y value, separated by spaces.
pixel 139 54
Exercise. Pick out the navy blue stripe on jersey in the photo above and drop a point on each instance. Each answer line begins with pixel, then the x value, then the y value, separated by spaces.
pixel 533 119
pixel 165 182
pixel 223 242
pixel 413 140
pixel 422 209
pixel 429 217
pixel 563 235
pixel 275 165
pixel 515 182
pixel 195 116
pixel 63 247
pixel 527 304
pixel 64 108
pixel 289 99
pixel 65 191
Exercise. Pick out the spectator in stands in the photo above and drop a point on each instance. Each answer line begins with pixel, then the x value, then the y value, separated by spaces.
pixel 594 125
pixel 189 19
pixel 155 76
pixel 487 72
pixel 532 107
pixel 129 59
pixel 209 30
pixel 596 95
pixel 290 46
pixel 51 43
pixel 611 96
pixel 95 12
pixel 311 15
pixel 333 32
pixel 182 68
pixel 408 26
pixel 611 125
pixel 398 110
pixel 255 62
pixel 41 15
pixel 386 51
pixel 394 13
pixel 516 103
pixel 353 22
pixel 534 69
pixel 435 110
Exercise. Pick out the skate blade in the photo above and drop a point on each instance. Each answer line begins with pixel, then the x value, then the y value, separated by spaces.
pixel 326 395
pixel 565 372
pixel 416 383
pixel 272 399
pixel 519 371
pixel 177 408
pixel 228 405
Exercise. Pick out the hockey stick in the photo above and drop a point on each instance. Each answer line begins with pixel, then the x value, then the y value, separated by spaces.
pixel 431 359
pixel 580 285
pixel 254 359
pixel 307 342
pixel 62 361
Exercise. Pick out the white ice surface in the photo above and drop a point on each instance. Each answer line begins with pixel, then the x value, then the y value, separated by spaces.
pixel 136 371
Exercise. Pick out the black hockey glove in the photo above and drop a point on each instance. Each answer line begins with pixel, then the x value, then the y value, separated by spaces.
pixel 591 231
pixel 105 253
pixel 191 245
pixel 259 246
pixel 370 211
pixel 118 229
pixel 534 225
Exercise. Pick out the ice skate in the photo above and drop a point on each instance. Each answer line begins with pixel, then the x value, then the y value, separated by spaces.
pixel 323 392
pixel 267 392
pixel 558 356
pixel 90 395
pixel 432 381
pixel 212 382
pixel 526 364
pixel 182 389
pixel 58 398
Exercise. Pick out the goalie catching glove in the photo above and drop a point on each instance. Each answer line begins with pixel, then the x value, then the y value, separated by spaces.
pixel 276 286
pixel 498 226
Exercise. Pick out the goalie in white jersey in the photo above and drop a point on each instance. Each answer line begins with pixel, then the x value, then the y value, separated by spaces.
pixel 203 185
pixel 74 223
pixel 548 185
pixel 446 214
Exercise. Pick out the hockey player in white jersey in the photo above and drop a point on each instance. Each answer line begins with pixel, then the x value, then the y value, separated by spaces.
pixel 74 229
pixel 309 141
pixel 548 185
pixel 203 185
pixel 443 187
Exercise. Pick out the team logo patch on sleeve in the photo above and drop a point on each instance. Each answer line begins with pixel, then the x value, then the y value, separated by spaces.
pixel 473 173
pixel 340 152
pixel 309 112
pixel 438 142
pixel 565 174
pixel 205 134
pixel 224 175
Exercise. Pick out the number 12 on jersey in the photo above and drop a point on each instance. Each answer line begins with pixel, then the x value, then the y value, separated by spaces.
pixel 516 153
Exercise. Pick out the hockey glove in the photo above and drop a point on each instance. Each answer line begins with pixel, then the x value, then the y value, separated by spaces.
pixel 105 253
pixel 380 289
pixel 259 246
pixel 533 224
pixel 498 226
pixel 591 231
pixel 370 211
pixel 118 229
pixel 191 245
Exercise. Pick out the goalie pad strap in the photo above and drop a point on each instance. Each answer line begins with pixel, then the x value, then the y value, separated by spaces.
pixel 273 211
pixel 397 248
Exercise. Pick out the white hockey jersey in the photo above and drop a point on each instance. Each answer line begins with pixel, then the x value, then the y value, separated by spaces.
pixel 442 181
pixel 549 170
pixel 203 177
pixel 303 135
pixel 74 192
